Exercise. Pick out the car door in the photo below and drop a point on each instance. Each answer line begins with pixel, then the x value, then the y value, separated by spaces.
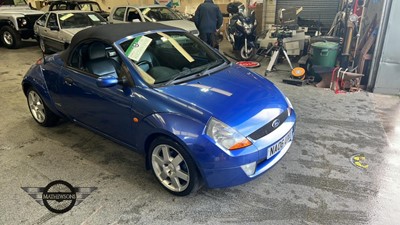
pixel 133 15
pixel 118 15
pixel 51 33
pixel 105 109
pixel 40 24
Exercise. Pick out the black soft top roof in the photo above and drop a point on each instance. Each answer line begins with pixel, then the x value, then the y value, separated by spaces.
pixel 110 33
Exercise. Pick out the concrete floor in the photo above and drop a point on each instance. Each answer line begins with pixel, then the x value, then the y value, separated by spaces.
pixel 315 183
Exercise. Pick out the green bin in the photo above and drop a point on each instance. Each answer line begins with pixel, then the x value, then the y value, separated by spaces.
pixel 324 53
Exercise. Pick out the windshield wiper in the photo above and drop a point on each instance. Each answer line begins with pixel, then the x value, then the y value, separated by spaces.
pixel 203 69
pixel 211 65
pixel 184 73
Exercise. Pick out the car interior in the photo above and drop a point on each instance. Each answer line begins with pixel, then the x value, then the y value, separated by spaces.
pixel 153 63
pixel 96 58
pixel 100 59
pixel 133 15
pixel 99 62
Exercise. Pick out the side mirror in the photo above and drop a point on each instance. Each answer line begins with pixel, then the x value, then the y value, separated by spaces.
pixel 107 81
pixel 54 28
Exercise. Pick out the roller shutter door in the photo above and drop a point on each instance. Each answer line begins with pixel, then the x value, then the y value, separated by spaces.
pixel 323 10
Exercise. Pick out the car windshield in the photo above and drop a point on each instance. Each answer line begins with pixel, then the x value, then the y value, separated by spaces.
pixel 166 58
pixel 78 20
pixel 159 14
pixel 90 7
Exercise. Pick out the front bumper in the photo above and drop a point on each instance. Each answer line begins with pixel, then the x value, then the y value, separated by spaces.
pixel 26 33
pixel 225 168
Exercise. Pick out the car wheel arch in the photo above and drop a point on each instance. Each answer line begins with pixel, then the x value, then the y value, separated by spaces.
pixel 149 140
pixel 39 109
pixel 26 85
pixel 6 23
pixel 161 128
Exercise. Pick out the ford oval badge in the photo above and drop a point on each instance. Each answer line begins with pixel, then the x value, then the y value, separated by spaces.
pixel 276 123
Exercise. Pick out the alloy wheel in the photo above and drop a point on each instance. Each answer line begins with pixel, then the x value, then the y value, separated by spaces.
pixel 36 106
pixel 8 38
pixel 170 168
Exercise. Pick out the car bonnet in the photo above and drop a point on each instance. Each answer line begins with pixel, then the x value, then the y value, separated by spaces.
pixel 235 95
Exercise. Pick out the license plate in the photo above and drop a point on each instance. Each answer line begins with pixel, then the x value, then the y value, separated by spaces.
pixel 280 144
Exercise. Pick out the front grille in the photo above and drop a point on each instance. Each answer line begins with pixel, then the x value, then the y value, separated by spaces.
pixel 268 128
pixel 31 19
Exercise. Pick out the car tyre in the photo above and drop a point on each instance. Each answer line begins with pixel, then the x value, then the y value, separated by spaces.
pixel 10 37
pixel 173 167
pixel 43 46
pixel 40 112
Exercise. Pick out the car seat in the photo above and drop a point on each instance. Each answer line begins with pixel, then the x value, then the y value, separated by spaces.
pixel 158 72
pixel 99 63
pixel 149 57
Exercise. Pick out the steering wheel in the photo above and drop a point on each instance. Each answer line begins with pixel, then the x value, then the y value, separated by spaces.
pixel 144 62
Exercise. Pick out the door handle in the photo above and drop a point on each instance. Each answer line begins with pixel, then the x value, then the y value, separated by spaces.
pixel 68 81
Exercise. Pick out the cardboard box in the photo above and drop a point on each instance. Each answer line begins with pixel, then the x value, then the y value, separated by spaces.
pixel 292 45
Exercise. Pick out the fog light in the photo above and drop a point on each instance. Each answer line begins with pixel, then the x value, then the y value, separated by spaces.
pixel 249 169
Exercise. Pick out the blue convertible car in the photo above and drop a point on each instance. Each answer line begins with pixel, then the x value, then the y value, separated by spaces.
pixel 198 118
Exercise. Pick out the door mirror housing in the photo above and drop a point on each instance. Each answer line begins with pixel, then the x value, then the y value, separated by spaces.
pixel 107 81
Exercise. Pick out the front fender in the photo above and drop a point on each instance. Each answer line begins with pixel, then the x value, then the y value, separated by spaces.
pixel 7 22
pixel 34 78
pixel 180 128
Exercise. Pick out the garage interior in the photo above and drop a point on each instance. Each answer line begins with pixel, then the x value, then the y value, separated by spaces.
pixel 315 183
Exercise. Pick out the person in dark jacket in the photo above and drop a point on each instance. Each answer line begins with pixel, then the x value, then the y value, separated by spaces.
pixel 208 18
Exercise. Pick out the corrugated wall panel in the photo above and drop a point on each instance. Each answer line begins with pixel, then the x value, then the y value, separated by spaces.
pixel 323 10
pixel 388 77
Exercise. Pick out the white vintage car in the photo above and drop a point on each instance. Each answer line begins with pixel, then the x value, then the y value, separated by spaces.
pixel 152 13
pixel 54 30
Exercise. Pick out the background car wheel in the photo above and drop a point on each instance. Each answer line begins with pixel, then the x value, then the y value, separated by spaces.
pixel 173 167
pixel 40 112
pixel 43 46
pixel 10 37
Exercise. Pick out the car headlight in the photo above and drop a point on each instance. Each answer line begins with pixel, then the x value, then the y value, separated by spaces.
pixel 290 106
pixel 22 22
pixel 225 135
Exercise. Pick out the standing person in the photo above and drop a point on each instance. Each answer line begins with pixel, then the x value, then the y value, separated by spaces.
pixel 208 18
